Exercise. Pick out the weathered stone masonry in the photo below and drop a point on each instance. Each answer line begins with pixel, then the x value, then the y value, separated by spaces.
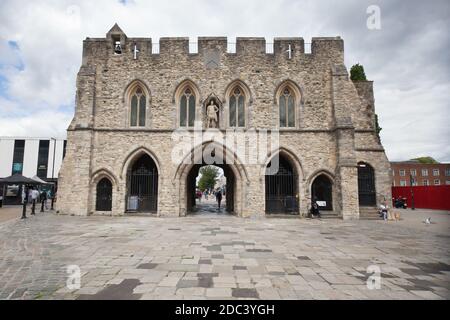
pixel 333 131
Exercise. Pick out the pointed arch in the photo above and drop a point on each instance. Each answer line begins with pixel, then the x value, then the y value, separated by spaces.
pixel 194 156
pixel 137 98
pixel 104 173
pixel 319 172
pixel 187 102
pixel 290 155
pixel 135 154
pixel 238 97
pixel 288 99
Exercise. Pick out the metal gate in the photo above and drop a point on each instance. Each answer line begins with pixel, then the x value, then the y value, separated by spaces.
pixel 321 190
pixel 281 189
pixel 104 195
pixel 366 185
pixel 142 186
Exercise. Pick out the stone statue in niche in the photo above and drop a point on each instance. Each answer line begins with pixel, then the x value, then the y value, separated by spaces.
pixel 211 115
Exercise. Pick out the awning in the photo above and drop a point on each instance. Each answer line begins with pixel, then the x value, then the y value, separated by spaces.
pixel 18 179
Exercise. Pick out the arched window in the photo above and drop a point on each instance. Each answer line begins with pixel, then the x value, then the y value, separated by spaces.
pixel 237 108
pixel 187 108
pixel 138 103
pixel 287 108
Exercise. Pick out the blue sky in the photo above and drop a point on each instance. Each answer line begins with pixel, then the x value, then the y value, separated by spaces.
pixel 408 59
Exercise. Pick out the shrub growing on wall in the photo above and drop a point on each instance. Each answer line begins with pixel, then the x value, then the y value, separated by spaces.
pixel 357 72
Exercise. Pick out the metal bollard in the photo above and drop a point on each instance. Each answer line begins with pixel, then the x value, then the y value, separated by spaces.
pixel 24 210
pixel 53 200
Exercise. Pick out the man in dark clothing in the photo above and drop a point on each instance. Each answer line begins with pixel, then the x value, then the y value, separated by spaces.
pixel 219 197
pixel 315 208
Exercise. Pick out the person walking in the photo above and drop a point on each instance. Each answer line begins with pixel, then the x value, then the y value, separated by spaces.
pixel 219 197
pixel 384 211
pixel 34 198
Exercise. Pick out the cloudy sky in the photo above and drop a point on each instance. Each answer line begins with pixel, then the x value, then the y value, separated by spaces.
pixel 408 57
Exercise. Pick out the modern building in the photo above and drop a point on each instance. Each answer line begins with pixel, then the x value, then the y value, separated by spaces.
pixel 29 156
pixel 133 142
pixel 407 173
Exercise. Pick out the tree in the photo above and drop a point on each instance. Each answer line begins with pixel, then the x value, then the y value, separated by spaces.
pixel 357 73
pixel 208 177
pixel 426 160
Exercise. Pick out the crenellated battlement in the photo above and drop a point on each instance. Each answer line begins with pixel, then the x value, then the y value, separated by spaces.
pixel 116 42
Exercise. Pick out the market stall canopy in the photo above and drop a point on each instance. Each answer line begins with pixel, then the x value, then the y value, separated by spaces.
pixel 18 179
pixel 37 179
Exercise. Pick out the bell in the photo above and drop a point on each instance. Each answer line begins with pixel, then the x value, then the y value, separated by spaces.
pixel 118 49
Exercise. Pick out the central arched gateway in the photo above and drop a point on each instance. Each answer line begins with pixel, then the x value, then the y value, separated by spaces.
pixel 217 155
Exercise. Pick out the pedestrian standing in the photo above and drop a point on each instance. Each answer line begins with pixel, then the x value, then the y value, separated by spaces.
pixel 219 197
pixel 34 198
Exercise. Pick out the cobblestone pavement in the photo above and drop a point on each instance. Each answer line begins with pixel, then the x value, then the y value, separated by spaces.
pixel 220 257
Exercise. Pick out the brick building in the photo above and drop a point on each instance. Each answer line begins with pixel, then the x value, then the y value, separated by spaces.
pixel 421 174
pixel 135 103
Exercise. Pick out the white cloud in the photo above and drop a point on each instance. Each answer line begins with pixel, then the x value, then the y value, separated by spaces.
pixel 408 58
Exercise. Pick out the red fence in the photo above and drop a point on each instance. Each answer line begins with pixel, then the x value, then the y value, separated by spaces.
pixel 425 197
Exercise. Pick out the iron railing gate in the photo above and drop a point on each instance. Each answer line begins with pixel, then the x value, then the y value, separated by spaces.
pixel 366 185
pixel 104 195
pixel 322 190
pixel 281 191
pixel 142 189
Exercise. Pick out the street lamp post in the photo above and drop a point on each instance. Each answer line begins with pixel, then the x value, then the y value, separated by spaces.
pixel 53 172
pixel 411 180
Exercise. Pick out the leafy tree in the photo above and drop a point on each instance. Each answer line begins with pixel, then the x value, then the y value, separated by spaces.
pixel 357 72
pixel 208 178
pixel 426 160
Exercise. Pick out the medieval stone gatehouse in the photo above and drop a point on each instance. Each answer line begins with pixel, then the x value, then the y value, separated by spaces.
pixel 135 100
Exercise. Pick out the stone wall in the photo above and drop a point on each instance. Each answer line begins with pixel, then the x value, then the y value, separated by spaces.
pixel 334 117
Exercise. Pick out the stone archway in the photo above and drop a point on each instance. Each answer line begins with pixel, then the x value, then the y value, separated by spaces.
pixel 235 173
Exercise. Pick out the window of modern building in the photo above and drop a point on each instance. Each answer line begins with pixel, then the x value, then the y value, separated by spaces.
pixel 43 158
pixel 402 172
pixel 426 182
pixel 414 182
pixel 19 150
pixel 413 172
pixel 435 172
pixel 437 182
pixel 424 172
pixel 402 183
pixel 447 172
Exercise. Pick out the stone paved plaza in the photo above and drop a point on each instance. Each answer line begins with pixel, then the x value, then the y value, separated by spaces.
pixel 211 256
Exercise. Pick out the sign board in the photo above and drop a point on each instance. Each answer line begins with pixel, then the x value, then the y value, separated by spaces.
pixel 132 203
pixel 321 203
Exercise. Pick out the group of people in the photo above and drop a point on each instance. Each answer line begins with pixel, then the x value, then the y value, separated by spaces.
pixel 32 195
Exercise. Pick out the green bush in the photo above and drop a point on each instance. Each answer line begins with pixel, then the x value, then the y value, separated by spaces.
pixel 357 72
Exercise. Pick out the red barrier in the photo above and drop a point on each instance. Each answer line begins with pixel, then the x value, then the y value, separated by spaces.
pixel 425 197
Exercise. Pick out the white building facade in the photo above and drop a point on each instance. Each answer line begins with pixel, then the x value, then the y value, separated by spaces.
pixel 30 156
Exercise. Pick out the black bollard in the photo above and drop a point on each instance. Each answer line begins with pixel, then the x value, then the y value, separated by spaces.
pixel 42 206
pixel 53 200
pixel 24 210
pixel 33 207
